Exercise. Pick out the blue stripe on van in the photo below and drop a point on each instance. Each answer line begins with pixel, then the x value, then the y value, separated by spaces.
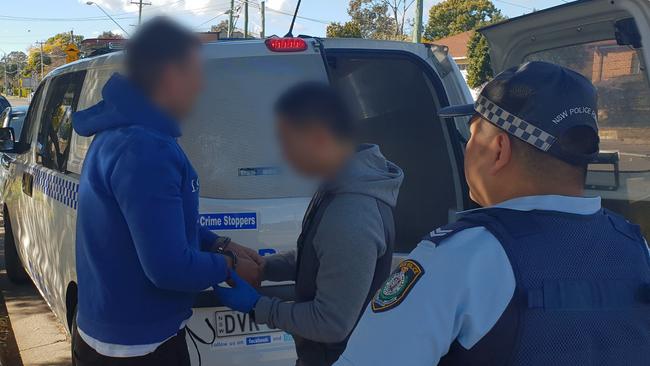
pixel 55 186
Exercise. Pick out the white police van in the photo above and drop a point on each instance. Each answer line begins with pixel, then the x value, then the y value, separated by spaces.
pixel 396 89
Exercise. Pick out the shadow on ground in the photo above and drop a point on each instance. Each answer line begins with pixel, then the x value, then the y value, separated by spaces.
pixel 41 339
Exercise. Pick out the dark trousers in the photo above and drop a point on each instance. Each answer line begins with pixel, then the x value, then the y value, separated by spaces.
pixel 171 353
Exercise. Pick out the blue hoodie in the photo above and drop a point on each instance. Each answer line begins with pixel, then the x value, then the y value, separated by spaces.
pixel 139 258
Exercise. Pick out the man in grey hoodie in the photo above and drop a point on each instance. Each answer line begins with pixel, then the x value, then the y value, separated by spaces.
pixel 345 250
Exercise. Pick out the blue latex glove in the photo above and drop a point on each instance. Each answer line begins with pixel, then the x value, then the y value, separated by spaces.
pixel 242 297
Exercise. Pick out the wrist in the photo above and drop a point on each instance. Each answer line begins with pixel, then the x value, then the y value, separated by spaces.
pixel 231 259
pixel 221 244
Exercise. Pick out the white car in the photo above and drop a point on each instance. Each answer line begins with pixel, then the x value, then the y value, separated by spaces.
pixel 396 89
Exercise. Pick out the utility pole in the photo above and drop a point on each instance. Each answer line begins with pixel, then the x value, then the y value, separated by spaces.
pixel 417 30
pixel 42 64
pixel 231 19
pixel 140 5
pixel 263 14
pixel 245 19
pixel 4 87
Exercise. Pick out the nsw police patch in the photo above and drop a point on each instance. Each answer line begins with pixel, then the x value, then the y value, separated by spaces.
pixel 397 286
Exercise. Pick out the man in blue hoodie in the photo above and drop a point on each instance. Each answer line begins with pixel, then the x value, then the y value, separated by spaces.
pixel 141 257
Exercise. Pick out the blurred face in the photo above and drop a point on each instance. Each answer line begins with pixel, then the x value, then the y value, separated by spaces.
pixel 180 84
pixel 311 149
pixel 487 159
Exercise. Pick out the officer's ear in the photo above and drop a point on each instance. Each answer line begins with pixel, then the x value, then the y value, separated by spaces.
pixel 502 145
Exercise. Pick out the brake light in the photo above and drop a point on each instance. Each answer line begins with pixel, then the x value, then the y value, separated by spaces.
pixel 286 44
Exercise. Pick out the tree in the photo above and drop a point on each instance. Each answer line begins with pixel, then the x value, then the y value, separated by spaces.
pixel 398 9
pixel 370 19
pixel 456 16
pixel 479 69
pixel 222 27
pixel 34 62
pixel 53 53
pixel 110 35
pixel 345 30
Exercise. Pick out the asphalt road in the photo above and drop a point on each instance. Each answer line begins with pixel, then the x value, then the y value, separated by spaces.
pixel 17 101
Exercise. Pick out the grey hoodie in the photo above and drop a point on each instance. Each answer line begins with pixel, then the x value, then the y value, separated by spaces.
pixel 348 242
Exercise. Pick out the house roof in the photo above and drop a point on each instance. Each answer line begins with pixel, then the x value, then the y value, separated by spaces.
pixel 206 37
pixel 457 44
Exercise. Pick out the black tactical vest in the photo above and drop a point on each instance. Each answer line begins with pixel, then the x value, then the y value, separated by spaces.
pixel 312 353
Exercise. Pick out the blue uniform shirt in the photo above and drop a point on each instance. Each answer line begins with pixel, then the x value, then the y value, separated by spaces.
pixel 463 289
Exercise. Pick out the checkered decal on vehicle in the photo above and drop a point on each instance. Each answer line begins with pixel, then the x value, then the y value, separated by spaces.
pixel 55 186
pixel 514 125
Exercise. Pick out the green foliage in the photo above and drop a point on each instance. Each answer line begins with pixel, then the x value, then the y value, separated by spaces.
pixel 109 34
pixel 451 17
pixel 479 69
pixel 374 19
pixel 345 30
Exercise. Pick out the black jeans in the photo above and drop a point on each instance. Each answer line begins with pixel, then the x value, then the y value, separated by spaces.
pixel 171 353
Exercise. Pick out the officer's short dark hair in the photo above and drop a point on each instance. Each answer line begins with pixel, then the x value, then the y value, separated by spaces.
pixel 579 140
pixel 158 42
pixel 317 103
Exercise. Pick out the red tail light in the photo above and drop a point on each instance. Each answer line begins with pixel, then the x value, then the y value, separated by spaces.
pixel 286 44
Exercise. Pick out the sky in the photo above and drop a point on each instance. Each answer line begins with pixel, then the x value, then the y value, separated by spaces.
pixel 24 22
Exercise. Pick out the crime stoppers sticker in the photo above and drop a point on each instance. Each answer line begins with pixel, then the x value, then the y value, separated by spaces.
pixel 397 286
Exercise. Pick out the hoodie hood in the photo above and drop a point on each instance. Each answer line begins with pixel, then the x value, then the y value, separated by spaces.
pixel 123 105
pixel 370 174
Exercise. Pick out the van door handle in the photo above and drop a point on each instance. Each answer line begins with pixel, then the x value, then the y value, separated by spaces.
pixel 28 183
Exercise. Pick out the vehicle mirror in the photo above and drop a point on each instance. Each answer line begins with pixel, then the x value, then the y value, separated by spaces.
pixel 7 139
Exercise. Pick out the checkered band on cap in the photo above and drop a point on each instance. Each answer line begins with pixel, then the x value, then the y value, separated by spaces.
pixel 514 125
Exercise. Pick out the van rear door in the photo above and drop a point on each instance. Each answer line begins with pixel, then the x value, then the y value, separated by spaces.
pixel 609 43
pixel 247 192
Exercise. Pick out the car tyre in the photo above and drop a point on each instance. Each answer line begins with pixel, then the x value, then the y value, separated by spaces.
pixel 14 266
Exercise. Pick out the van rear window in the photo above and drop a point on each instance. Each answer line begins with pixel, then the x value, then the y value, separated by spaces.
pixel 231 139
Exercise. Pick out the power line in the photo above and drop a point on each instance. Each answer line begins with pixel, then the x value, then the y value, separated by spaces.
pixel 257 5
pixel 211 19
pixel 515 4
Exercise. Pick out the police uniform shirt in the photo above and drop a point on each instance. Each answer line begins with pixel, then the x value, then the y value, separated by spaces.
pixel 456 291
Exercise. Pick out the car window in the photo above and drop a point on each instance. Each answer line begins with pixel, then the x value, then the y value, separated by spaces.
pixel 4 103
pixel 32 113
pixel 621 174
pixel 396 103
pixel 3 117
pixel 56 127
pixel 16 121
pixel 230 138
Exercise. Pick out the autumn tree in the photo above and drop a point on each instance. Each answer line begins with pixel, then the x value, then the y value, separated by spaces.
pixel 53 53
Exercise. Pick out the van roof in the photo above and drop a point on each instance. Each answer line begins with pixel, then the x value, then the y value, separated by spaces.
pixel 237 47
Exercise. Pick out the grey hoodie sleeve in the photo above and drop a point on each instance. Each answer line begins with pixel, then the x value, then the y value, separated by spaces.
pixel 280 267
pixel 348 242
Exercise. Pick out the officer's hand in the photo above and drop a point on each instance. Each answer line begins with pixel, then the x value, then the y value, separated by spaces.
pixel 240 297
pixel 244 252
pixel 249 271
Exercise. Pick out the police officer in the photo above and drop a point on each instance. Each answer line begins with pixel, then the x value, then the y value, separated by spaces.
pixel 540 275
